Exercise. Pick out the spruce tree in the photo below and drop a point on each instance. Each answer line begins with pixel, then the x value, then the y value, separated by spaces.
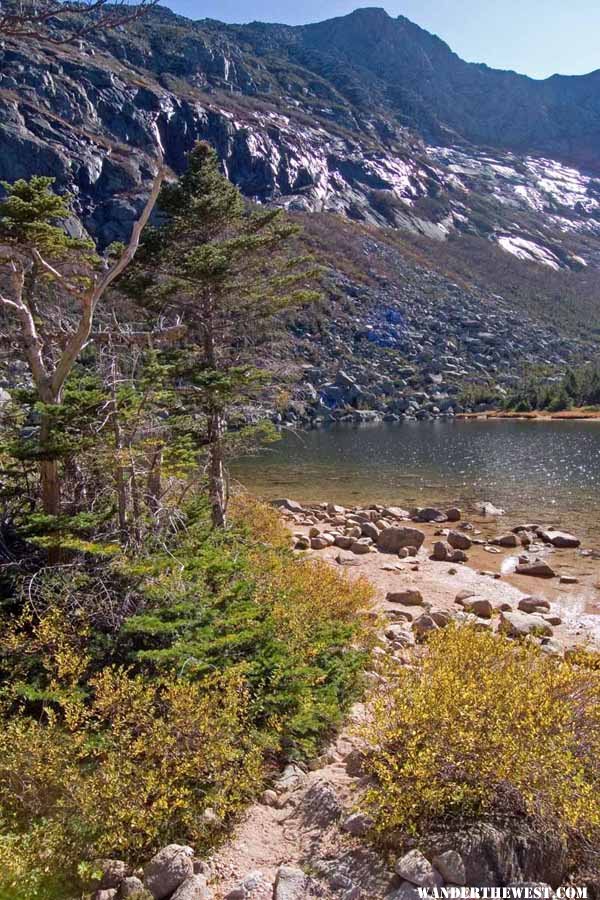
pixel 226 269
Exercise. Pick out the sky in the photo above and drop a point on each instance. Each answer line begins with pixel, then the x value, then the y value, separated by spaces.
pixel 535 37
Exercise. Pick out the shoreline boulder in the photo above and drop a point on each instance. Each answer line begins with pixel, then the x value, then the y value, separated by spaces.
pixel 396 537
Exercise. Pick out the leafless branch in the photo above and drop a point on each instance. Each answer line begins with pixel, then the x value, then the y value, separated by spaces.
pixel 62 23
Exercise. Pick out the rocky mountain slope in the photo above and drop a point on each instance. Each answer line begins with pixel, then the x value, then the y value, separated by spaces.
pixel 363 116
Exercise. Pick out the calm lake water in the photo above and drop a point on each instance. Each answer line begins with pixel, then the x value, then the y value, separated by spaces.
pixel 536 471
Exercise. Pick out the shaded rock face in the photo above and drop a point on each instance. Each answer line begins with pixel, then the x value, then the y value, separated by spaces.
pixel 497 856
pixel 364 115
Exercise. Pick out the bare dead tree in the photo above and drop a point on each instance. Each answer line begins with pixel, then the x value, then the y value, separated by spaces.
pixel 64 22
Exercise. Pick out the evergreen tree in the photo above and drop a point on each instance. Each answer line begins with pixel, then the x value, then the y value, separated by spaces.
pixel 50 286
pixel 226 269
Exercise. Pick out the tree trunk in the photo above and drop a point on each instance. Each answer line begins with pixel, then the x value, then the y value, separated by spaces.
pixel 217 481
pixel 135 501
pixel 154 481
pixel 49 481
pixel 120 483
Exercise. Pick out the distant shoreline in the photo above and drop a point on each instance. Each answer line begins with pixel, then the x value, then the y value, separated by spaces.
pixel 535 415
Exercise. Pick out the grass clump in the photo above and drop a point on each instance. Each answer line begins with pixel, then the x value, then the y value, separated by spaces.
pixel 480 718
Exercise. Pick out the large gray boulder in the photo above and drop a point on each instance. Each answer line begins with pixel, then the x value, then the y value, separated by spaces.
pixel 559 538
pixel 290 884
pixel 397 537
pixel 168 869
pixel 495 854
pixel 193 888
pixel 415 868
pixel 518 624
pixel 451 867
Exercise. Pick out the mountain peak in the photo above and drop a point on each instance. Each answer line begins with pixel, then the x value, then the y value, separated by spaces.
pixel 372 13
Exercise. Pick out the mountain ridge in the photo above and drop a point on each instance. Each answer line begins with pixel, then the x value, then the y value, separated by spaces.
pixel 296 125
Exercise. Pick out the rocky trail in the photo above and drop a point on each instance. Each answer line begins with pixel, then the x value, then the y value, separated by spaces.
pixel 298 841
pixel 306 836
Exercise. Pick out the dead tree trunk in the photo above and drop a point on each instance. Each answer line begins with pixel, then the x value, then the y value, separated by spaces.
pixel 217 479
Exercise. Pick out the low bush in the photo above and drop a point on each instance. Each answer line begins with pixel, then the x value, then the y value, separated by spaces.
pixel 121 722
pixel 119 769
pixel 480 718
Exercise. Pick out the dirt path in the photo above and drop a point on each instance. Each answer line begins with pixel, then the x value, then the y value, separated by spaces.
pixel 299 824
pixel 301 831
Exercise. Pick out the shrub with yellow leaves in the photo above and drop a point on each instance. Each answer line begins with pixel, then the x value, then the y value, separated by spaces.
pixel 480 717
pixel 120 774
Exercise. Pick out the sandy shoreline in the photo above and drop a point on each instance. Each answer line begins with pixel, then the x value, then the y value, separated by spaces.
pixel 487 573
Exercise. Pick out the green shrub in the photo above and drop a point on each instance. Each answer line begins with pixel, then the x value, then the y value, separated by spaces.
pixel 478 717
pixel 241 600
pixel 118 730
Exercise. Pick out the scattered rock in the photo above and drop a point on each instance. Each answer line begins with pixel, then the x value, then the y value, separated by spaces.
pixel 480 606
pixel 168 869
pixel 408 597
pixel 269 798
pixel 370 530
pixel 533 604
pixel 539 568
pixel 348 559
pixel 131 887
pixel 518 624
pixel 458 540
pixel 290 779
pixel 464 595
pixel 441 551
pixel 321 806
pixel 568 579
pixel 399 634
pixel 355 762
pixel 361 547
pixel 290 505
pixel 423 626
pixel 429 514
pixel 453 514
pixel 458 556
pixel 488 509
pixel 395 512
pixel 559 538
pixel 441 617
pixel 506 540
pixel 357 824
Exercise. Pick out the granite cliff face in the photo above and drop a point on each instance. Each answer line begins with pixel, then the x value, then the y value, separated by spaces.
pixel 364 116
